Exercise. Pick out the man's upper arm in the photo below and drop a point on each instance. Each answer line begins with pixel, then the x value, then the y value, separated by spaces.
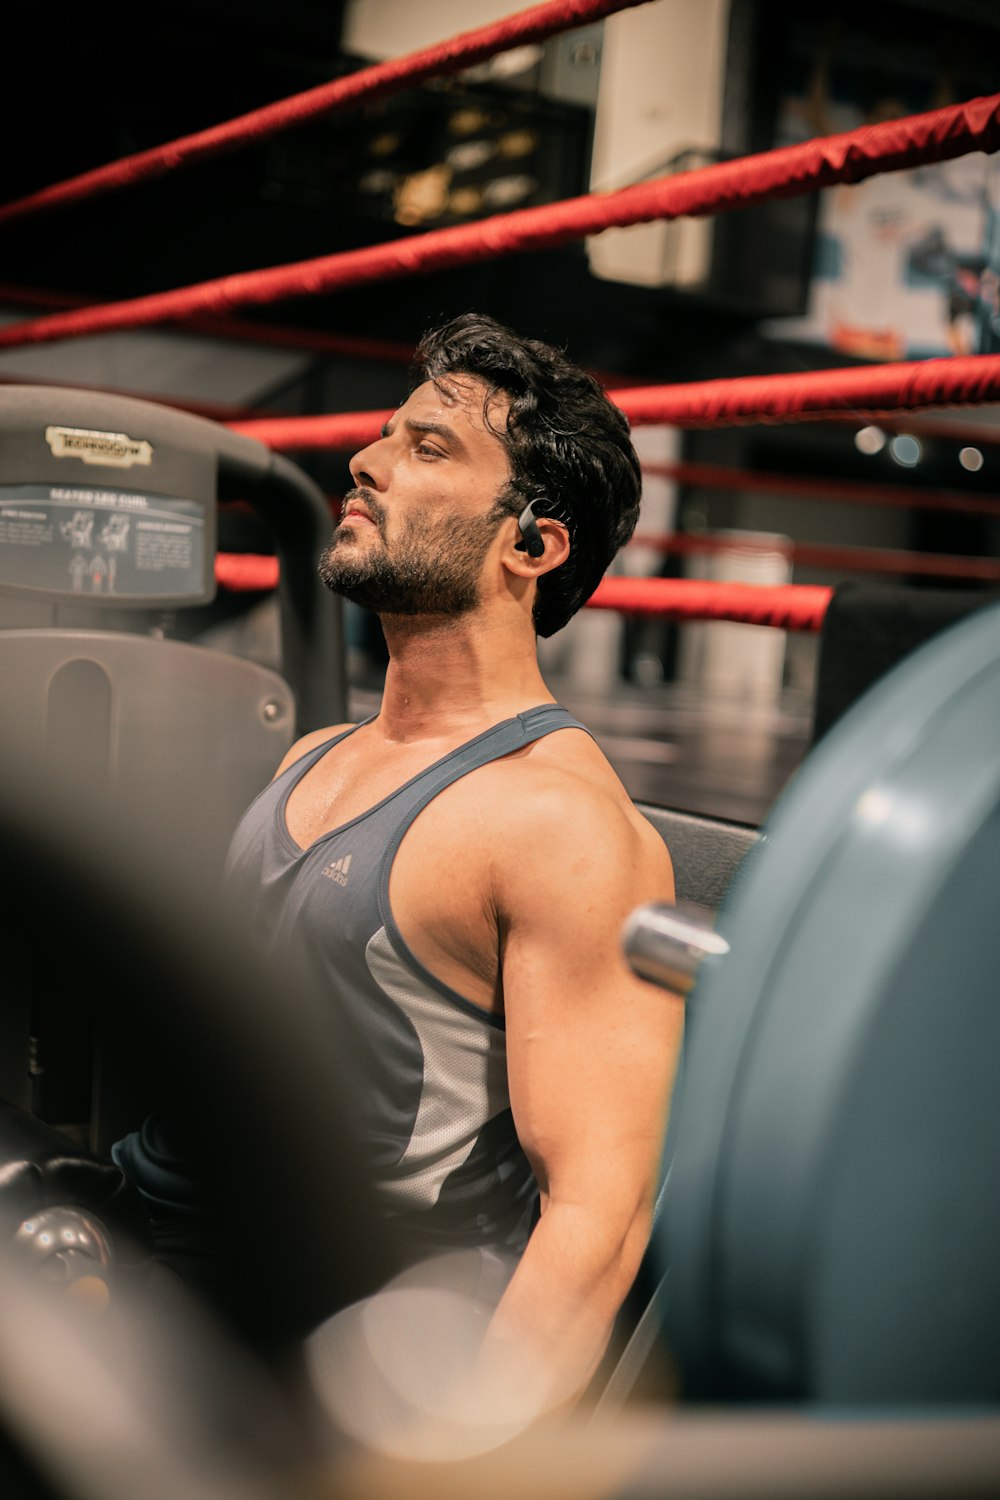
pixel 591 1049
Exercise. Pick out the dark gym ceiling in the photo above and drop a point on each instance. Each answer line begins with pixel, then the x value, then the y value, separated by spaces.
pixel 85 86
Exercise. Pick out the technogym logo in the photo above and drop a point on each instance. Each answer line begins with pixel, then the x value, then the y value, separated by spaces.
pixel 338 869
pixel 113 448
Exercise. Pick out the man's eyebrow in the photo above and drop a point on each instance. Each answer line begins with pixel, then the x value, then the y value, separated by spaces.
pixel 439 429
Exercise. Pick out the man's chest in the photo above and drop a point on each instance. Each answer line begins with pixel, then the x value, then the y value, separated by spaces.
pixel 431 843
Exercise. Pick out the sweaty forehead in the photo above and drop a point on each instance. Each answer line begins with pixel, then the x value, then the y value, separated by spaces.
pixel 463 401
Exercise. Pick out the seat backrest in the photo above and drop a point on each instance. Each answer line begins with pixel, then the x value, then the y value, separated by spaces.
pixel 161 724
pixel 174 738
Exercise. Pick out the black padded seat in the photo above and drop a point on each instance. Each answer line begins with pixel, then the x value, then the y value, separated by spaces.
pixel 707 852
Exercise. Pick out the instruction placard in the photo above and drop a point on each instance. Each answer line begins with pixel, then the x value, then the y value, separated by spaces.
pixel 102 545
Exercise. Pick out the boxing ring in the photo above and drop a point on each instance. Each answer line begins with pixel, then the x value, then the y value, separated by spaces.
pixel 891 826
pixel 867 394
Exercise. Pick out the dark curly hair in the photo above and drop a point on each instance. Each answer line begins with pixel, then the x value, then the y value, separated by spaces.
pixel 569 449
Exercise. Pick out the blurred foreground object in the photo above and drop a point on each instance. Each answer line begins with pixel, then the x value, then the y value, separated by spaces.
pixel 832 1225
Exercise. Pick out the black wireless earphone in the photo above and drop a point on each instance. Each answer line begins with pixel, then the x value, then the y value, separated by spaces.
pixel 532 542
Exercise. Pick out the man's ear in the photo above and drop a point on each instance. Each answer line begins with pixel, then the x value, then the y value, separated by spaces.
pixel 544 543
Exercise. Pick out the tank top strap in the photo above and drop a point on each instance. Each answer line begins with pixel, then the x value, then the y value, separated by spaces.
pixel 492 744
pixel 536 722
pixel 504 738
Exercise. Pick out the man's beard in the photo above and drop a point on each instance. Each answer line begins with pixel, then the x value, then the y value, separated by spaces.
pixel 434 568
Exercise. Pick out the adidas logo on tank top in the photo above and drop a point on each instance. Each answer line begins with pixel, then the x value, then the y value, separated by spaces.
pixel 338 870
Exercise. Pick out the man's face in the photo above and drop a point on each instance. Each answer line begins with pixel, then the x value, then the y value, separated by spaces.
pixel 415 531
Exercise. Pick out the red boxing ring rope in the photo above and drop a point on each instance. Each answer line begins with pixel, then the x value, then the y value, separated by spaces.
pixel 786 606
pixel 788 171
pixel 339 432
pixel 242 572
pixel 461 51
pixel 353 345
pixel 246 572
pixel 808 396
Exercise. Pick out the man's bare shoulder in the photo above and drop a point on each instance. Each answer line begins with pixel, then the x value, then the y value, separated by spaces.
pixel 561 798
pixel 567 771
pixel 309 742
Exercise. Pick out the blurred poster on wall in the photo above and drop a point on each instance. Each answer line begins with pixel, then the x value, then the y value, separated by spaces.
pixel 988 313
pixel 906 263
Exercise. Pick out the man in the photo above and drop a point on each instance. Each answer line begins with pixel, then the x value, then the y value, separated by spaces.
pixel 458 868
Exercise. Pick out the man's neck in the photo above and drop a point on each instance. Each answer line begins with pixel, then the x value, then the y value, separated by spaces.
pixel 449 676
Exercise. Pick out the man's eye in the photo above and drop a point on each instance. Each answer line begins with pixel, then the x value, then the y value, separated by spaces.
pixel 427 450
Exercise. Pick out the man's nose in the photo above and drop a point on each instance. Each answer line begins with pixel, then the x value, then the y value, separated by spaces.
pixel 369 468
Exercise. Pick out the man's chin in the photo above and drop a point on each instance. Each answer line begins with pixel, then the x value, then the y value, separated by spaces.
pixel 399 602
pixel 342 565
pixel 367 578
pixel 344 581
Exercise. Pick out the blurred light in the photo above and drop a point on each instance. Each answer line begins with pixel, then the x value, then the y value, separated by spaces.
pixel 503 191
pixel 517 143
pixel 465 200
pixel 505 64
pixel 971 459
pixel 468 155
pixel 402 1371
pixel 379 181
pixel 385 144
pixel 905 450
pixel 869 440
pixel 467 121
pixel 902 819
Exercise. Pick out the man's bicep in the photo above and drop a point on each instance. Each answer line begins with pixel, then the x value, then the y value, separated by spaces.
pixel 592 1050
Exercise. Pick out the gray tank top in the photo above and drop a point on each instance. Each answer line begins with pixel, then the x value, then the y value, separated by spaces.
pixel 431 1101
